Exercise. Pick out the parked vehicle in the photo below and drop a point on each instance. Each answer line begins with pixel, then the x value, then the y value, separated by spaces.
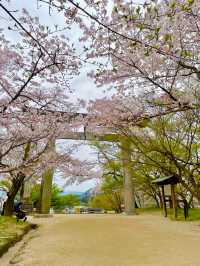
pixel 69 210
pixel 83 209
pixel 96 210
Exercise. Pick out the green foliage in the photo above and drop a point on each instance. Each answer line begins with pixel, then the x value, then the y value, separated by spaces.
pixel 163 146
pixel 5 183
pixel 58 201
pixel 101 201
pixel 190 2
pixel 169 146
pixel 70 200
pixel 11 231
pixel 55 196
pixel 35 194
pixel 112 176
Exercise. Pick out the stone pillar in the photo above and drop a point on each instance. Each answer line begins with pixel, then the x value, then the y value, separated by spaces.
pixel 26 191
pixel 46 188
pixel 129 195
pixel 25 196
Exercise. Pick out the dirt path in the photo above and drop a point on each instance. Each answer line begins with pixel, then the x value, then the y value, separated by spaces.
pixel 108 240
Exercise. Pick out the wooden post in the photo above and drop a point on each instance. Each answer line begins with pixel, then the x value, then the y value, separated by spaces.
pixel 174 201
pixel 163 200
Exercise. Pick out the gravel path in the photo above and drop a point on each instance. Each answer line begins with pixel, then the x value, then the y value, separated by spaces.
pixel 108 240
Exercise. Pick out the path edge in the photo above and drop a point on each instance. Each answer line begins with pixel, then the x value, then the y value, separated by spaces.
pixel 17 238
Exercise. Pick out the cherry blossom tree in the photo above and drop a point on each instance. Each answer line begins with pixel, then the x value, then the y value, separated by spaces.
pixel 35 74
pixel 149 49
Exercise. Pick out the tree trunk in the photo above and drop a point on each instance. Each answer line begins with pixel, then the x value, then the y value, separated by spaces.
pixel 118 202
pixel 160 198
pixel 16 184
pixel 156 200
pixel 22 191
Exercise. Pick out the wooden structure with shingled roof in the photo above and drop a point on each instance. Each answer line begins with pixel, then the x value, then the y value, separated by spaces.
pixel 172 181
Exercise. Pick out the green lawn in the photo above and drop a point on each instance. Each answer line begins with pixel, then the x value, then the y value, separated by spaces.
pixel 194 214
pixel 148 210
pixel 10 232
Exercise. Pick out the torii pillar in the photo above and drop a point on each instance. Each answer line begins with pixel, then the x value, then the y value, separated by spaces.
pixel 25 194
pixel 46 187
pixel 129 192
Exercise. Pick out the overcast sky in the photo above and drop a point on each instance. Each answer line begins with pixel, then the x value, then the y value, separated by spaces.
pixel 84 152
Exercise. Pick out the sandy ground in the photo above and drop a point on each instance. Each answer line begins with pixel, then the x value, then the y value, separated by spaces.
pixel 108 240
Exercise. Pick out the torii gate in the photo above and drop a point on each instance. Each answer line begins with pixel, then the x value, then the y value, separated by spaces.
pixel 129 195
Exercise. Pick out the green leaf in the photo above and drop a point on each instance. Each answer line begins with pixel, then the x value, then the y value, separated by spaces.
pixel 190 2
pixel 115 9
pixel 168 37
pixel 138 9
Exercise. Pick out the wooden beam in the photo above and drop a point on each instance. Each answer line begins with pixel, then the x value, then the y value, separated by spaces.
pixel 89 136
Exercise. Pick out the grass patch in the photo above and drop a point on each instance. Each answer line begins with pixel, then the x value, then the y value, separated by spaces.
pixel 194 214
pixel 148 210
pixel 11 231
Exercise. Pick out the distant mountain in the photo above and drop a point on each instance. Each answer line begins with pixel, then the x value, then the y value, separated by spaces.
pixel 71 193
pixel 84 196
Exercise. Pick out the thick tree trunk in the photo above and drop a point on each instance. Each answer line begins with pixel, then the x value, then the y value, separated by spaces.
pixel 22 191
pixel 160 198
pixel 157 202
pixel 118 202
pixel 16 184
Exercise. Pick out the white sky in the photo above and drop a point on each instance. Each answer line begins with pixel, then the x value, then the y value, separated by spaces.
pixel 84 152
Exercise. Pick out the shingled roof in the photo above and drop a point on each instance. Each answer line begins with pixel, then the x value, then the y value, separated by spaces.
pixel 167 180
